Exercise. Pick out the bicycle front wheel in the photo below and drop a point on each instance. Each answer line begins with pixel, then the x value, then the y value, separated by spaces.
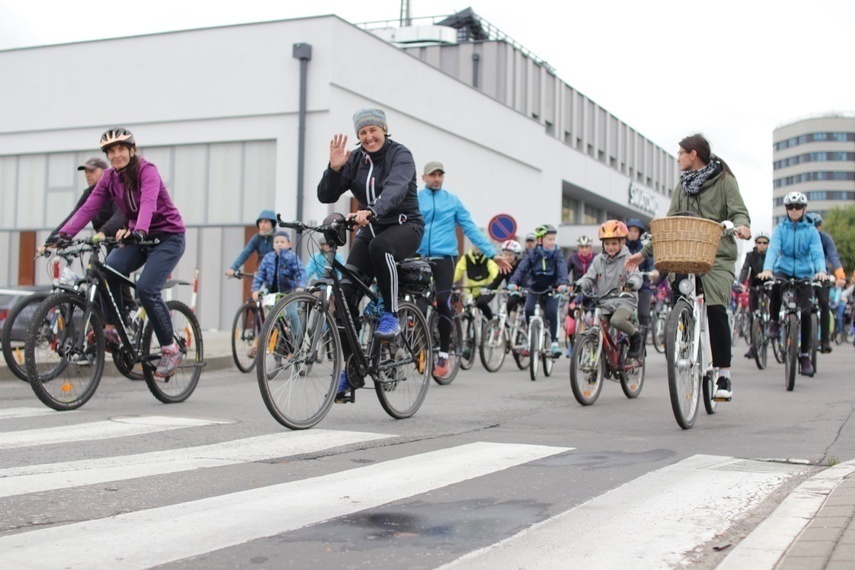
pixel 469 345
pixel 760 343
pixel 454 349
pixel 14 336
pixel 684 379
pixel 297 386
pixel 534 349
pixel 791 364
pixel 64 360
pixel 187 336
pixel 244 336
pixel 659 334
pixel 814 340
pixel 493 346
pixel 520 344
pixel 586 368
pixel 546 355
pixel 405 365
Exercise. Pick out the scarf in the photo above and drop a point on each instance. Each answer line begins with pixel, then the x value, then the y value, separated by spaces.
pixel 693 180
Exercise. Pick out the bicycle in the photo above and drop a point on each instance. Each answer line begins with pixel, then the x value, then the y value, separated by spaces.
pixel 579 317
pixel 540 340
pixel 468 323
pixel 298 385
pixel 246 329
pixel 504 333
pixel 66 345
pixel 759 322
pixel 688 352
pixel 600 353
pixel 790 322
pixel 660 320
pixel 740 324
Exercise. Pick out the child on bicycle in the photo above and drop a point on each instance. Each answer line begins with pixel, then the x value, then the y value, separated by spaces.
pixel 479 272
pixel 543 268
pixel 608 274
pixel 281 271
pixel 260 244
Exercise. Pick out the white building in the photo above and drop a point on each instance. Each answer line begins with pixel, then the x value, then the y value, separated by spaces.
pixel 217 110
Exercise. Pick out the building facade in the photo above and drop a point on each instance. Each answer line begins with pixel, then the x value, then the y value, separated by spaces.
pixel 815 156
pixel 217 111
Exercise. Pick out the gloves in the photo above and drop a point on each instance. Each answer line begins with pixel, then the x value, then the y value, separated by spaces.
pixel 58 240
pixel 512 287
pixel 136 236
pixel 562 289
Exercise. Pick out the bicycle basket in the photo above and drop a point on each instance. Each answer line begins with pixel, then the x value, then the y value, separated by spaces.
pixel 414 276
pixel 684 244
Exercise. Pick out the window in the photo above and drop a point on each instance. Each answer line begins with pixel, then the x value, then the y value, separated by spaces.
pixel 592 215
pixel 569 210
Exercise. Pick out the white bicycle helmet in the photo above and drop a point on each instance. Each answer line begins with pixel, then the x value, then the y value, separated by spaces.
pixel 761 235
pixel 795 198
pixel 513 246
pixel 584 240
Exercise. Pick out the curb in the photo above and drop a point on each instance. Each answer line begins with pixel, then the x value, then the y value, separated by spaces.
pixel 768 543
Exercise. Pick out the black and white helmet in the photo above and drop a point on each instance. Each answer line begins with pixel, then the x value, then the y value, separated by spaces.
pixel 795 198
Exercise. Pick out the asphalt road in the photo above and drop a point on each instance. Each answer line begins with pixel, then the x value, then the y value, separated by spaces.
pixel 484 459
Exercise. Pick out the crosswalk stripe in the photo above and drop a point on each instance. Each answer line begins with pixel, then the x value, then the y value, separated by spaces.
pixel 9 413
pixel 190 529
pixel 651 522
pixel 33 479
pixel 114 427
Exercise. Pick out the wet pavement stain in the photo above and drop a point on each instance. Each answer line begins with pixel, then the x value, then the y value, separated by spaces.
pixel 605 459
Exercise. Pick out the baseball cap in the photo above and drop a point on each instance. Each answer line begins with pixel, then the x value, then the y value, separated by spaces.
pixel 92 164
pixel 433 166
pixel 530 237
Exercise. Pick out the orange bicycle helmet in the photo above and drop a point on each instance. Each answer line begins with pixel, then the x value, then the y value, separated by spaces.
pixel 613 229
pixel 116 136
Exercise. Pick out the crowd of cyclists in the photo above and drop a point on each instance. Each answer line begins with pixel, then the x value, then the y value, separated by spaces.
pixel 395 220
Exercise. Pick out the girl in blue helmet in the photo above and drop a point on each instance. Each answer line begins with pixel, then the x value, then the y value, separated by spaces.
pixel 261 243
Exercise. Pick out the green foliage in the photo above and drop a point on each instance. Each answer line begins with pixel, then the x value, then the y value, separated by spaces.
pixel 839 223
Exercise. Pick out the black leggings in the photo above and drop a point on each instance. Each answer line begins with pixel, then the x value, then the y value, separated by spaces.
pixel 822 295
pixel 443 277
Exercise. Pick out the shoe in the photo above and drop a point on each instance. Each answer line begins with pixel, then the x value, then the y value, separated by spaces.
pixel 111 336
pixel 750 353
pixel 169 361
pixel 343 387
pixel 773 329
pixel 724 389
pixel 253 350
pixel 824 348
pixel 805 365
pixel 388 327
pixel 569 352
pixel 524 352
pixel 556 350
pixel 634 346
pixel 441 368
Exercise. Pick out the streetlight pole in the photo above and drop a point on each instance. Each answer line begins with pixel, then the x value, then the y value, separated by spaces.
pixel 303 52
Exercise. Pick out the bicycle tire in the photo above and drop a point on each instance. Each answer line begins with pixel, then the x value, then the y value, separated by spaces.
pixel 297 395
pixel 586 373
pixel 245 337
pixel 791 365
pixel 491 349
pixel 403 388
pixel 62 379
pixel 546 358
pixel 453 349
pixel 760 343
pixel 534 349
pixel 814 341
pixel 469 344
pixel 632 380
pixel 521 340
pixel 659 333
pixel 710 403
pixel 13 349
pixel 684 382
pixel 779 347
pixel 187 335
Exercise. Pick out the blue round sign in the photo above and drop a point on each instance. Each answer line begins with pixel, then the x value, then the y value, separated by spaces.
pixel 502 227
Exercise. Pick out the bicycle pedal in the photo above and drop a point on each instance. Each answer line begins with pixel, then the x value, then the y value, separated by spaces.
pixel 722 399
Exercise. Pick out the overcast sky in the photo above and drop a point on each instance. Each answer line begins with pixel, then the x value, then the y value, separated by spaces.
pixel 731 69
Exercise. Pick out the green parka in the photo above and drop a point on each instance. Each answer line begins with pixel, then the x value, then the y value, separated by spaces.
pixel 718 200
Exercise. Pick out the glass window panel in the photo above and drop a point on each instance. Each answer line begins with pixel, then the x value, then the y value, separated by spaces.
pixel 190 185
pixel 31 183
pixel 8 190
pixel 61 170
pixel 225 183
pixel 592 215
pixel 260 180
pixel 569 207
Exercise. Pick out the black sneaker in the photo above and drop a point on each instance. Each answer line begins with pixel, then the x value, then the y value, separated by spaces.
pixel 805 365
pixel 825 348
pixel 773 329
pixel 750 353
pixel 634 346
pixel 724 389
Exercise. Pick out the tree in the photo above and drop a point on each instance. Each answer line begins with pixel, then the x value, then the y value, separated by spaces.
pixel 839 223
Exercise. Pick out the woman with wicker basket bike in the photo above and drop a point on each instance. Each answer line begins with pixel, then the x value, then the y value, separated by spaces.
pixel 708 189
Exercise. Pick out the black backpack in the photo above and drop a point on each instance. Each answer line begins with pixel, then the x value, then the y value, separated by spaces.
pixel 476 268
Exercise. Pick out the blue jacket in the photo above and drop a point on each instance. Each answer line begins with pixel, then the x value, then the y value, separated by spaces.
pixel 541 269
pixel 645 266
pixel 795 250
pixel 291 272
pixel 443 212
pixel 829 249
pixel 262 245
pixel 315 269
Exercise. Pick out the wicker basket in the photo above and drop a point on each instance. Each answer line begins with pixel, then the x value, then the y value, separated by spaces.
pixel 684 244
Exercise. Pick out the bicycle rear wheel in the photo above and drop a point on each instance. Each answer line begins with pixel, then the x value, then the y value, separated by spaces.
pixel 760 343
pixel 709 394
pixel 402 386
pixel 454 349
pixel 469 344
pixel 520 343
pixel 298 388
pixel 814 340
pixel 586 369
pixel 791 355
pixel 684 379
pixel 493 345
pixel 546 356
pixel 659 334
pixel 63 375
pixel 244 337
pixel 14 335
pixel 534 349
pixel 632 379
pixel 187 336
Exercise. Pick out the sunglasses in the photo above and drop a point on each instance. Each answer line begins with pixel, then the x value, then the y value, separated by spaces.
pixel 762 243
pixel 795 207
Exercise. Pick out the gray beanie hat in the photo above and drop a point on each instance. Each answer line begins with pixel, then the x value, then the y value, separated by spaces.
pixel 369 116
